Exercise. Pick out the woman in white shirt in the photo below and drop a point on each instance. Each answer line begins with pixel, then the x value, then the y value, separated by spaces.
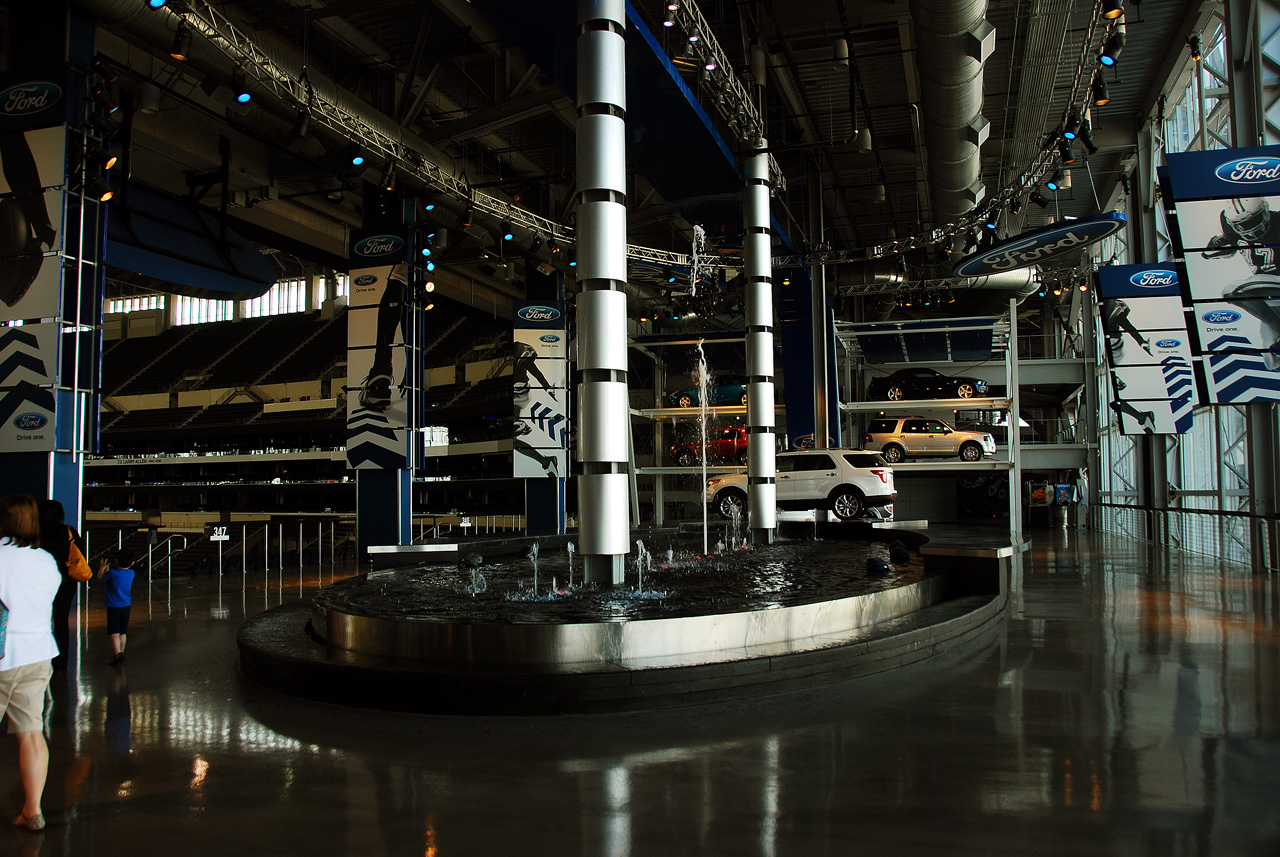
pixel 29 580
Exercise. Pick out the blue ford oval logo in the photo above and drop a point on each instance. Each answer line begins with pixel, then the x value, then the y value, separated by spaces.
pixel 1154 279
pixel 1249 170
pixel 379 245
pixel 30 422
pixel 366 280
pixel 538 313
pixel 550 337
pixel 1221 316
pixel 23 98
pixel 1040 245
pixel 1168 343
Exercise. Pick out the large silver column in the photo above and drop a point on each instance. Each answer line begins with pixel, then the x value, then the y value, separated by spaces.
pixel 762 497
pixel 603 413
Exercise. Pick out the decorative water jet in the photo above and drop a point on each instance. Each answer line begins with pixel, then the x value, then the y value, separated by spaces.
pixel 533 558
pixel 569 550
pixel 704 384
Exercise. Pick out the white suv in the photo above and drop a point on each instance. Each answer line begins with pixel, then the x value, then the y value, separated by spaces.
pixel 848 482
pixel 914 437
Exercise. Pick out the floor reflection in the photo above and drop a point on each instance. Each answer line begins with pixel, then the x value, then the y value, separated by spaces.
pixel 1128 705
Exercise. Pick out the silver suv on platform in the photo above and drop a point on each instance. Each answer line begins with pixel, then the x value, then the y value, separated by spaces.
pixel 848 482
pixel 899 438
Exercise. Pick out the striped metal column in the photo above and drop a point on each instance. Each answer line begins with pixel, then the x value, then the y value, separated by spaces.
pixel 603 415
pixel 762 498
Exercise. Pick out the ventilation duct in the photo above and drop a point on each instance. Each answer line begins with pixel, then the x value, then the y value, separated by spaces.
pixel 953 41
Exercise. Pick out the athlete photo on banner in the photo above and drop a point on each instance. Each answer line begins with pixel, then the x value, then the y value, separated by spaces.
pixel 377 360
pixel 1141 383
pixel 32 172
pixel 1133 324
pixel 540 371
pixel 1152 417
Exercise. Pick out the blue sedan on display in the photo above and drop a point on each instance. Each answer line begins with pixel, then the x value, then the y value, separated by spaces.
pixel 717 394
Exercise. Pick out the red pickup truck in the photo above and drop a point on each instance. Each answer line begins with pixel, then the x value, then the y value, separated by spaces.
pixel 726 444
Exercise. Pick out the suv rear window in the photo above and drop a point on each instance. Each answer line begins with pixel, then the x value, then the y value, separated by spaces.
pixel 882 426
pixel 864 459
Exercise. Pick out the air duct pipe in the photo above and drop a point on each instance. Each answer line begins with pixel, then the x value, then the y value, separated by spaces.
pixel 953 41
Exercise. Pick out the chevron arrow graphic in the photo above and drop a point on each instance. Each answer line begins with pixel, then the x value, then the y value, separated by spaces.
pixel 21 360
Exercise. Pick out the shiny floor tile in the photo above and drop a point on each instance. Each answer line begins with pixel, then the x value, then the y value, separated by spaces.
pixel 1129 705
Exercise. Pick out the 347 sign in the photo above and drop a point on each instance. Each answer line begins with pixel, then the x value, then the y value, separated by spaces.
pixel 218 533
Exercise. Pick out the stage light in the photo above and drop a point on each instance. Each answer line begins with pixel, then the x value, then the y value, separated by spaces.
pixel 1099 89
pixel 104 158
pixel 1112 48
pixel 1015 205
pixel 1112 9
pixel 1065 152
pixel 156 4
pixel 1086 137
pixel 240 87
pixel 99 187
pixel 553 245
pixel 357 157
pixel 507 234
pixel 668 22
pixel 1072 128
pixel 428 201
pixel 389 177
pixel 468 215
pixel 573 258
pixel 1054 181
pixel 428 307
pixel 536 244
pixel 426 251
pixel 1124 184
pixel 1193 44
pixel 1038 199
pixel 993 221
pixel 710 65
pixel 302 123
pixel 104 123
pixel 1084 287
pixel 429 286
pixel 104 100
pixel 431 266
pixel 181 43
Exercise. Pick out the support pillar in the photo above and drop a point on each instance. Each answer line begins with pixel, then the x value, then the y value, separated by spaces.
pixel 818 306
pixel 604 414
pixel 762 499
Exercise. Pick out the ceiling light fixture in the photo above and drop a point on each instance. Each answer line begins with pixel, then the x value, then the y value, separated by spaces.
pixel 1037 199
pixel 104 100
pixel 1086 137
pixel 1112 9
pixel 536 244
pixel 507 234
pixel 181 43
pixel 1054 181
pixel 1099 91
pixel 1113 46
pixel 1193 44
pixel 1065 152
pixel 357 158
pixel 240 87
pixel 1072 128
pixel 389 177
pixel 104 158
pixel 156 4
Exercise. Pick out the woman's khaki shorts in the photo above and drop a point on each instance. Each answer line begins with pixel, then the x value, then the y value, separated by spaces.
pixel 22 695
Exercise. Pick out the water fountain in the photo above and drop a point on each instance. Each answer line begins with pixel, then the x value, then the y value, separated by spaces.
pixel 704 384
pixel 569 551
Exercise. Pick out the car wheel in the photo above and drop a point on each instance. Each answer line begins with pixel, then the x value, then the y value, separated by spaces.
pixel 970 452
pixel 728 500
pixel 847 504
pixel 893 453
pixel 742 456
pixel 894 393
pixel 744 400
pixel 686 401
pixel 685 458
pixel 965 391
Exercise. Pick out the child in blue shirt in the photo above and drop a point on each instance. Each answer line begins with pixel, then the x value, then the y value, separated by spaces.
pixel 119 581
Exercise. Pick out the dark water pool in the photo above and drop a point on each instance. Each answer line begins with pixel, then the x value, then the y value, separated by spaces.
pixel 685 585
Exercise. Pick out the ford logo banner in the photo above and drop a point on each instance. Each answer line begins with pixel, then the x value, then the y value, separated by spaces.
pixel 1221 316
pixel 1154 279
pixel 550 337
pixel 1168 343
pixel 379 245
pixel 366 280
pixel 1259 170
pixel 25 98
pixel 538 313
pixel 30 422
pixel 1041 245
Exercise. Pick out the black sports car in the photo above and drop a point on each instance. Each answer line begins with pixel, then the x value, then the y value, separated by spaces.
pixel 924 384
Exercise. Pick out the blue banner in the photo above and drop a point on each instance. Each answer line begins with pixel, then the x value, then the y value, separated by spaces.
pixel 1223 173
pixel 1145 281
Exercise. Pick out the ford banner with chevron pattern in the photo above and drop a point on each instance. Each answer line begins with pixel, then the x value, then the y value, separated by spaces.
pixel 540 376
pixel 1228 218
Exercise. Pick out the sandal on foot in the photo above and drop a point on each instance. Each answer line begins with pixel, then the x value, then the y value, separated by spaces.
pixel 30 822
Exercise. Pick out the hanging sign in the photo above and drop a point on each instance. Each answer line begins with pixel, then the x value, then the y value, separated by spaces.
pixel 1040 245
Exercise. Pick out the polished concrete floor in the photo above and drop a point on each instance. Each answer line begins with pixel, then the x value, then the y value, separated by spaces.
pixel 1129 705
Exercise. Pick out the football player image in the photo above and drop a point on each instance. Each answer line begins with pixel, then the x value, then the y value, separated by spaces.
pixel 1248 221
pixel 1118 324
